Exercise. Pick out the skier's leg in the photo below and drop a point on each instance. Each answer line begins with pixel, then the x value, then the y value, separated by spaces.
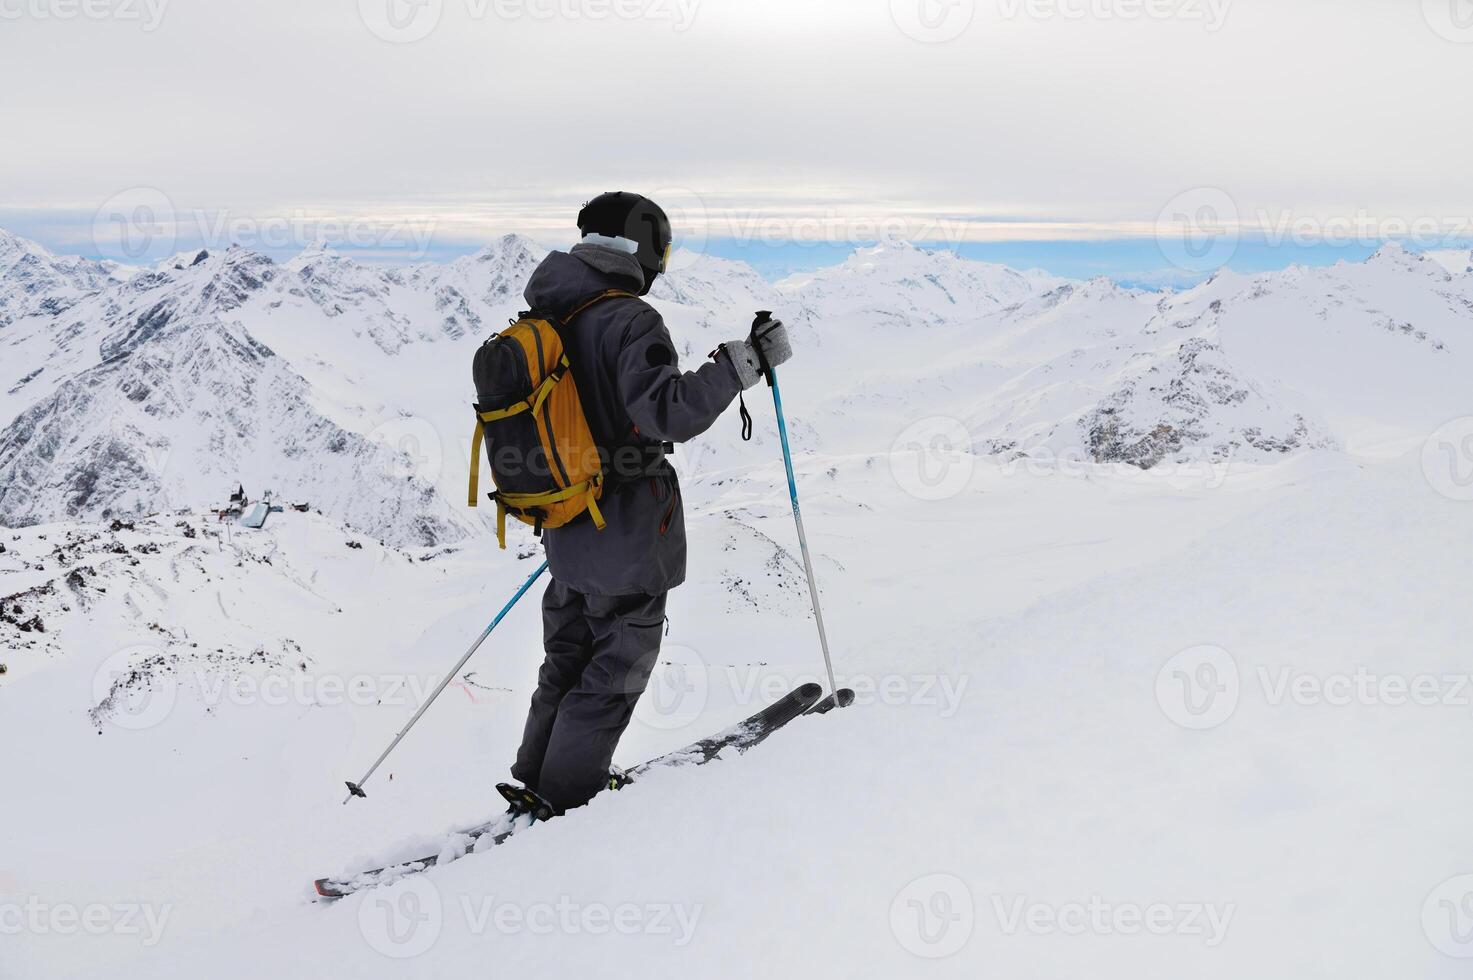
pixel 568 643
pixel 626 642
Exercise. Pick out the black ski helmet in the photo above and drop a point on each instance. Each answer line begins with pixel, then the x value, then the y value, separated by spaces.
pixel 621 214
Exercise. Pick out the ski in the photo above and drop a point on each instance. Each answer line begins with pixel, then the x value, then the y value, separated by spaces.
pixel 842 698
pixel 480 837
pixel 739 738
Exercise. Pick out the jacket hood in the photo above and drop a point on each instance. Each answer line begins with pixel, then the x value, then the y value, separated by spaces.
pixel 563 279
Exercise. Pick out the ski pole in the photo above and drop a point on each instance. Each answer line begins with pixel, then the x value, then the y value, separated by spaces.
pixel 356 789
pixel 782 430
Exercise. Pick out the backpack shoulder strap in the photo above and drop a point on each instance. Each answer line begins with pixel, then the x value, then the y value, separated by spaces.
pixel 595 300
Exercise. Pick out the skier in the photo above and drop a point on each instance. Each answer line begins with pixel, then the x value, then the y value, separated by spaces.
pixel 604 611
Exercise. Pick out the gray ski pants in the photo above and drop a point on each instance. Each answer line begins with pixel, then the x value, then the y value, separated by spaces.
pixel 600 653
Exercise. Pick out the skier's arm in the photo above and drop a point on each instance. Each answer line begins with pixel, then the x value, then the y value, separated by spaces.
pixel 664 402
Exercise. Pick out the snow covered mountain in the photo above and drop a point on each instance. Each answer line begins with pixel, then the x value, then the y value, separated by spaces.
pixel 166 399
pixel 169 388
pixel 1365 356
pixel 1012 641
pixel 896 283
pixel 340 383
pixel 34 281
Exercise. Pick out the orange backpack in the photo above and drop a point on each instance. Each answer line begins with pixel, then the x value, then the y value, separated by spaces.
pixel 546 466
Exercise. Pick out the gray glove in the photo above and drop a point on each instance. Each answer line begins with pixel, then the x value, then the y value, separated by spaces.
pixel 768 340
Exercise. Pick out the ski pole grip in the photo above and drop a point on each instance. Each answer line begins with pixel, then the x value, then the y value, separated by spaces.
pixel 762 317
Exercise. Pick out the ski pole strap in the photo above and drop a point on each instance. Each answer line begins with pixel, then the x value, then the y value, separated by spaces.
pixel 746 418
pixel 762 317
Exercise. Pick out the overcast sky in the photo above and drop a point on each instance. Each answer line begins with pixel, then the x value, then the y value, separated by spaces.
pixel 985 121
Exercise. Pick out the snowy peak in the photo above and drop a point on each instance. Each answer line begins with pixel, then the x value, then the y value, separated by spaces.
pixel 34 281
pixel 182 260
pixel 13 248
pixel 182 407
pixel 214 285
pixel 1192 403
pixel 497 273
pixel 509 251
pixel 727 287
pixel 1394 256
pixel 920 285
pixel 305 376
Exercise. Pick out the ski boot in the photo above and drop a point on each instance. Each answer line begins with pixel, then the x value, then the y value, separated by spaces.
pixel 522 800
pixel 618 778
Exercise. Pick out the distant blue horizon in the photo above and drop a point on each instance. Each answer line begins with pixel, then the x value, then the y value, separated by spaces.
pixel 1137 262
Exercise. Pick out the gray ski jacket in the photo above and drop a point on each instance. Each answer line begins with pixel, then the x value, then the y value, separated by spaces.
pixel 636 398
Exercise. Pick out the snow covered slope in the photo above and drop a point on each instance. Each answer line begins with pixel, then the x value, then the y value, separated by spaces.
pixel 1012 748
pixel 1091 696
